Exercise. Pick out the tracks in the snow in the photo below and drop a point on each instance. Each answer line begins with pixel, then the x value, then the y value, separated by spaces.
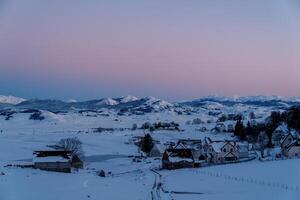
pixel 156 188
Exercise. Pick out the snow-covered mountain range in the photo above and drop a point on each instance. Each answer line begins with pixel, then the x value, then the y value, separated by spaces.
pixel 135 105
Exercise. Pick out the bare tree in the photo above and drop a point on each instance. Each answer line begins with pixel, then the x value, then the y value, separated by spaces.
pixel 71 144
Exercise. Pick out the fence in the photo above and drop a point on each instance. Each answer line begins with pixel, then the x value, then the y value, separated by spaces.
pixel 251 180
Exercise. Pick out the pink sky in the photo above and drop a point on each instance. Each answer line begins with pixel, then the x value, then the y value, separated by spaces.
pixel 170 49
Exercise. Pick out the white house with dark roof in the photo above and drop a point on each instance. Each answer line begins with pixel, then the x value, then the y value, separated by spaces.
pixel 280 132
pixel 292 150
pixel 287 140
pixel 221 151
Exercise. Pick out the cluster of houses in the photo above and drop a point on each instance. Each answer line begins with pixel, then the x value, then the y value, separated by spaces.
pixel 286 142
pixel 185 153
pixel 197 153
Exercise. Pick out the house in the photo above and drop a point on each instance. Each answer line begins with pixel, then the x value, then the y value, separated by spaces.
pixel 176 158
pixel 221 151
pixel 280 132
pixel 194 145
pixel 286 141
pixel 220 127
pixel 230 128
pixel 243 150
pixel 179 157
pixel 290 146
pixel 226 151
pixel 56 160
pixel 292 150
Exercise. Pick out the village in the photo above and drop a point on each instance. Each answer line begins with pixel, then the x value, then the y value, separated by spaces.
pixel 191 153
pixel 149 153
pixel 184 153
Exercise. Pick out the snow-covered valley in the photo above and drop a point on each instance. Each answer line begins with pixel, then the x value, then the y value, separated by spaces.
pixel 113 149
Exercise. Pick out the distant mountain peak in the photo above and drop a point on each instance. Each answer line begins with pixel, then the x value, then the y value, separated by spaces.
pixel 128 98
pixel 11 100
pixel 108 101
pixel 237 98
pixel 71 101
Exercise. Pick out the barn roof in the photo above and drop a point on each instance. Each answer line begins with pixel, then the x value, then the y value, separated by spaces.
pixel 182 153
pixel 50 159
pixel 47 153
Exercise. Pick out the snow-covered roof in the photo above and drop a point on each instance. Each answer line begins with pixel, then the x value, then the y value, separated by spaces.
pixel 181 154
pixel 282 128
pixel 189 144
pixel 179 159
pixel 159 147
pixel 217 146
pixel 50 159
pixel 181 146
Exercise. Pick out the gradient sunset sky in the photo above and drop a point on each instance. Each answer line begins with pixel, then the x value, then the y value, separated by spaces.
pixel 169 49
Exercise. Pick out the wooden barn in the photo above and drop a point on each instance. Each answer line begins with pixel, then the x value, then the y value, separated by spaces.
pixel 56 160
pixel 178 158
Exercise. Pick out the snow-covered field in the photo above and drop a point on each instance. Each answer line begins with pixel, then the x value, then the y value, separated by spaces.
pixel 253 180
pixel 130 180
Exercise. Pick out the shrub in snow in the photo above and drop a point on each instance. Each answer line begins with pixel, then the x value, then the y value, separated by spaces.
pixel 197 121
pixel 71 144
pixel 293 118
pixel 252 115
pixel 134 127
pixel 8 117
pixel 239 130
pixel 102 173
pixel 146 125
pixel 223 118
pixel 146 143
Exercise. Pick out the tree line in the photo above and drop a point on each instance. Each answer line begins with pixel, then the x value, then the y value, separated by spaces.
pixel 250 132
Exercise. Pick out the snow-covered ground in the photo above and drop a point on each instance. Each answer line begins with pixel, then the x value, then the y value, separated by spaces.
pixel 253 180
pixel 130 180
